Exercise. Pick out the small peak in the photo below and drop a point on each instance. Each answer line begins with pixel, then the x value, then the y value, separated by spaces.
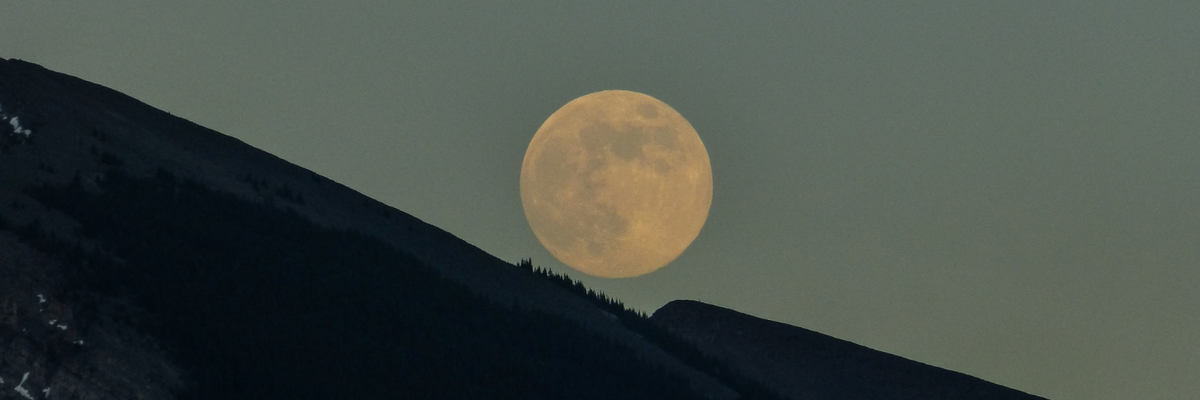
pixel 686 307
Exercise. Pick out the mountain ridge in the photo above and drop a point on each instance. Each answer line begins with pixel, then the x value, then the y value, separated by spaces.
pixel 800 363
pixel 117 219
pixel 75 123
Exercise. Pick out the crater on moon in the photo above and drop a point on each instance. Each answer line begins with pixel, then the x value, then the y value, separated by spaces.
pixel 616 184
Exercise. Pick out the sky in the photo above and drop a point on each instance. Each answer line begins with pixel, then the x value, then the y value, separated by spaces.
pixel 1005 189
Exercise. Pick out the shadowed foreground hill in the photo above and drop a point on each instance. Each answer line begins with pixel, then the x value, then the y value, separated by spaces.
pixel 253 302
pixel 802 364
pixel 144 256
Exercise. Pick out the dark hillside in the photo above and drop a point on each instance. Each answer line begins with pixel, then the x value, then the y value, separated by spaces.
pixel 229 261
pixel 144 256
pixel 254 302
pixel 802 364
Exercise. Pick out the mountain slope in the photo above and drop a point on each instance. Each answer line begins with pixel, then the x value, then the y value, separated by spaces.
pixel 144 256
pixel 223 262
pixel 802 364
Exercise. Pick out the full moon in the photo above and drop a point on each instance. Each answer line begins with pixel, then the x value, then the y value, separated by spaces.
pixel 616 184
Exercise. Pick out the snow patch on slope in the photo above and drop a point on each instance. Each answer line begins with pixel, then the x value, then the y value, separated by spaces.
pixel 16 124
pixel 21 390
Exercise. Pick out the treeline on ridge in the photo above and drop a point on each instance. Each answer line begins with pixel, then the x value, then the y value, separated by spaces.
pixel 639 322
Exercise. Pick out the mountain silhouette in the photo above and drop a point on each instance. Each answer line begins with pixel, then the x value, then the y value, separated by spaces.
pixel 802 364
pixel 144 256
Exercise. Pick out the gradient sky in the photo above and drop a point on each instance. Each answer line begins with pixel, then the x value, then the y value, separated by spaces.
pixel 1007 189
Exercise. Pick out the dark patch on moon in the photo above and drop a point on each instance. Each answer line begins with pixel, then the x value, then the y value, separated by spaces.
pixel 662 167
pixel 664 137
pixel 596 248
pixel 628 144
pixel 594 137
pixel 623 141
pixel 647 111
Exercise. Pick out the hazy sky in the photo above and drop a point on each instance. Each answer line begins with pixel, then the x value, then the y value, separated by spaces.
pixel 1007 189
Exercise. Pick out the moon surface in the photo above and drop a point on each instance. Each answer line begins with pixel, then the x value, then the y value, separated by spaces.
pixel 616 184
